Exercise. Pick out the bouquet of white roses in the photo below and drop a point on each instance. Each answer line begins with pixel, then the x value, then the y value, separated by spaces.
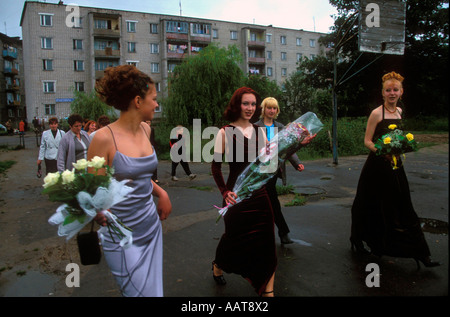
pixel 84 195
pixel 265 166
pixel 395 143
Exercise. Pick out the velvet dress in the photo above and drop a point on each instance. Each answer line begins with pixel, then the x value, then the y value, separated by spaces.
pixel 382 213
pixel 248 246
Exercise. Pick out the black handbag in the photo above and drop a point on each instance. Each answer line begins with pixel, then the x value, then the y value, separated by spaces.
pixel 89 247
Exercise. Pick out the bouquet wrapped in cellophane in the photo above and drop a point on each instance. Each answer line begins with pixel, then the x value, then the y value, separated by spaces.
pixel 285 143
pixel 84 195
pixel 395 143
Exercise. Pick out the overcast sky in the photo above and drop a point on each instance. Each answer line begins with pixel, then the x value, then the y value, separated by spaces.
pixel 293 14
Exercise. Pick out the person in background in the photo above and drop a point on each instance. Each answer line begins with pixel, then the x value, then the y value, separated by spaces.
pixel 48 150
pixel 102 121
pixel 176 147
pixel 74 144
pixel 90 127
pixel 270 111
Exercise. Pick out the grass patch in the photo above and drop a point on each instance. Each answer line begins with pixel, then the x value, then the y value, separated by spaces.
pixel 203 188
pixel 5 165
pixel 298 200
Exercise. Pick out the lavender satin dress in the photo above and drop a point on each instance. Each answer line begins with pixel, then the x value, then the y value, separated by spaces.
pixel 138 269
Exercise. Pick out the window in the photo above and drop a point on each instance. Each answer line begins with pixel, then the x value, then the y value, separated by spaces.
pixel 283 40
pixel 312 56
pixel 158 89
pixel 215 33
pixel 134 63
pixel 49 87
pixel 131 47
pixel 102 24
pixel 284 72
pixel 102 44
pixel 154 48
pixel 47 43
pixel 251 53
pixel 312 43
pixel 233 35
pixel 155 67
pixel 131 26
pixel 46 19
pixel 104 64
pixel 77 44
pixel 47 64
pixel 299 57
pixel 176 27
pixel 253 37
pixel 269 38
pixel 79 86
pixel 269 55
pixel 50 110
pixel 198 28
pixel 153 28
pixel 299 41
pixel 269 71
pixel 77 22
pixel 283 56
pixel 78 66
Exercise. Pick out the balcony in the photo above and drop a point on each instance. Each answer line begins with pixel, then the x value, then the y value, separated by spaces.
pixel 10 71
pixel 12 87
pixel 259 44
pixel 176 36
pixel 108 52
pixel 175 55
pixel 9 54
pixel 201 38
pixel 109 33
pixel 256 60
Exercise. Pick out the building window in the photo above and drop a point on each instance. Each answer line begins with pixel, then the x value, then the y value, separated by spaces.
pixel 102 24
pixel 49 87
pixel 77 22
pixel 131 47
pixel 283 40
pixel 269 38
pixel 155 67
pixel 251 53
pixel 46 19
pixel 133 63
pixel 104 64
pixel 78 66
pixel 153 28
pixel 131 26
pixel 47 64
pixel 312 43
pixel 312 56
pixel 198 28
pixel 215 33
pixel 158 87
pixel 79 86
pixel 299 41
pixel 154 48
pixel 77 44
pixel 233 35
pixel 269 71
pixel 299 57
pixel 47 43
pixel 50 110
pixel 269 55
pixel 176 27
pixel 283 56
pixel 284 72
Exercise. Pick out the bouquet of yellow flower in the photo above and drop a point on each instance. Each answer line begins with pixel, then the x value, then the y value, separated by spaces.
pixel 395 143
pixel 84 195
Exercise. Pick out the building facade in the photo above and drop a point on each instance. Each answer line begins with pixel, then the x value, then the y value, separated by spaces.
pixel 12 92
pixel 68 47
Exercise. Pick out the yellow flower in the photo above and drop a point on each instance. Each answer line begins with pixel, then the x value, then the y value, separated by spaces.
pixel 51 179
pixel 80 164
pixel 387 140
pixel 97 162
pixel 392 126
pixel 410 137
pixel 67 176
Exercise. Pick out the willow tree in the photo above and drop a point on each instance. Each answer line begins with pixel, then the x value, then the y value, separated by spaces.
pixel 89 106
pixel 202 85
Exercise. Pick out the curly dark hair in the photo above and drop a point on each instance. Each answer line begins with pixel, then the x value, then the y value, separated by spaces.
pixel 121 84
pixel 233 110
pixel 74 118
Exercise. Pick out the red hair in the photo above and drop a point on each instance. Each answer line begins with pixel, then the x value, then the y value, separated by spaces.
pixel 233 110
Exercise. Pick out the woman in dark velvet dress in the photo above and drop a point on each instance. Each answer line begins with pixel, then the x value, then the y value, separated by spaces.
pixel 382 213
pixel 247 247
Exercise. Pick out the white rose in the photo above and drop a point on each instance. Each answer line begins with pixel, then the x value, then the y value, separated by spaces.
pixel 80 164
pixel 67 176
pixel 97 162
pixel 51 179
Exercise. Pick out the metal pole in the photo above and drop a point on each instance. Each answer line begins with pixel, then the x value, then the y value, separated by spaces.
pixel 334 134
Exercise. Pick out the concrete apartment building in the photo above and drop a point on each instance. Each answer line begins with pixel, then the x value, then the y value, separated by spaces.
pixel 12 92
pixel 67 47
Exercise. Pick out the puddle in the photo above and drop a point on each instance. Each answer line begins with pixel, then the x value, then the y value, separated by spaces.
pixel 434 226
pixel 32 284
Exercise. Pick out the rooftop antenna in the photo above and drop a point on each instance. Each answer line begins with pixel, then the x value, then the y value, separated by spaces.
pixel 314 21
pixel 181 12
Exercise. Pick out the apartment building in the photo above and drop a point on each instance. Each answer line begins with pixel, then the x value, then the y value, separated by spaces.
pixel 12 93
pixel 67 47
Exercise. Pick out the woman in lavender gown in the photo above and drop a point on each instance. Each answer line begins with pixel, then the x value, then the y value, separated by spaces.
pixel 126 147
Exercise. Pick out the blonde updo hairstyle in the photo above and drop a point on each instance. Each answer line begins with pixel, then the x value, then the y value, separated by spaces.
pixel 392 76
pixel 269 102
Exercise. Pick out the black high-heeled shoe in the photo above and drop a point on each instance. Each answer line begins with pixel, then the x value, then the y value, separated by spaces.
pixel 358 247
pixel 219 279
pixel 427 262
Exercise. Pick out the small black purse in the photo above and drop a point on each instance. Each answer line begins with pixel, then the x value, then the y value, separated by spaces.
pixel 89 247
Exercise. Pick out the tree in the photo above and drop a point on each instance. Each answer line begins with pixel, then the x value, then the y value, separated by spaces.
pixel 202 86
pixel 265 88
pixel 88 105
